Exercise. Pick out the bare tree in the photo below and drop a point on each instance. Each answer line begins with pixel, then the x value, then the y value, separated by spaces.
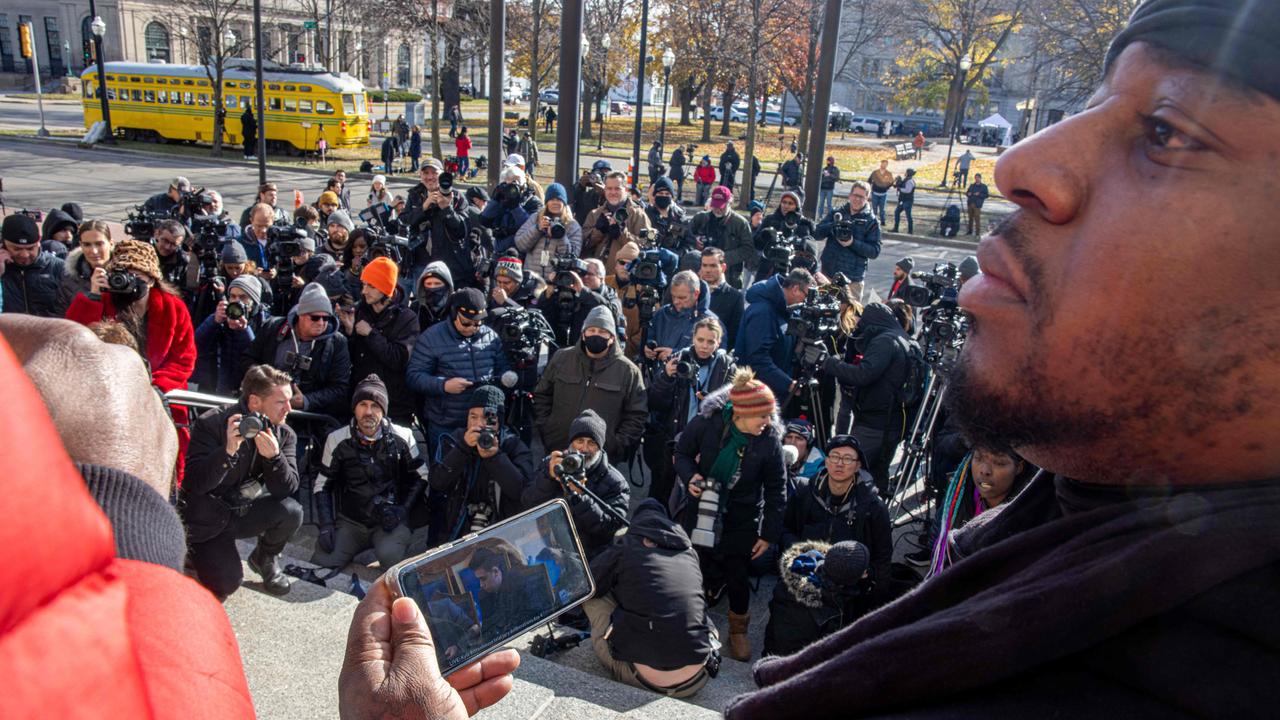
pixel 1071 41
pixel 212 23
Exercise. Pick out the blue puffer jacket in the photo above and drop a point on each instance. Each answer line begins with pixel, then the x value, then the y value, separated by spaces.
pixel 442 353
pixel 218 353
pixel 763 343
pixel 849 259
pixel 672 328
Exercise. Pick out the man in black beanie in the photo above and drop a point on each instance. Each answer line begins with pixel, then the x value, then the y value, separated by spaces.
pixel 596 525
pixel 1137 576
pixel 371 478
pixel 29 276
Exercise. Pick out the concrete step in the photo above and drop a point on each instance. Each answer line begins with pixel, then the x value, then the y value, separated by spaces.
pixel 293 646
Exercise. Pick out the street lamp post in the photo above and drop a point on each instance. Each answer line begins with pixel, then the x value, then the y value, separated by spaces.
pixel 359 59
pixel 604 82
pixel 66 58
pixel 635 139
pixel 668 59
pixel 98 27
pixel 965 63
pixel 386 77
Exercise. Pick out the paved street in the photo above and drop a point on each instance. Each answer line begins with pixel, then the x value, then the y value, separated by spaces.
pixel 26 114
pixel 107 184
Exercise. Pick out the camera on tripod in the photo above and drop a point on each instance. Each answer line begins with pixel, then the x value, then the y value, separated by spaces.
pixel 192 203
pixel 941 284
pixel 522 333
pixel 388 246
pixel 814 323
pixel 287 240
pixel 780 250
pixel 706 532
pixel 564 265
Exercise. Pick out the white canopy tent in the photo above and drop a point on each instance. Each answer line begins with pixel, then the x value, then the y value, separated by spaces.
pixel 998 122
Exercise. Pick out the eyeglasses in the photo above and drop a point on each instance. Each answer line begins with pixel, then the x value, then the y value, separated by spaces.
pixel 469 323
pixel 318 317
pixel 842 459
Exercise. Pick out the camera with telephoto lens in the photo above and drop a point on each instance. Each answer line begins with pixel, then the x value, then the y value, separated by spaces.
pixel 507 194
pixel 555 228
pixel 125 282
pixel 779 250
pixel 251 423
pixel 388 246
pixel 686 367
pixel 488 437
pixel 481 515
pixel 446 183
pixel 573 464
pixel 706 532
pixel 287 240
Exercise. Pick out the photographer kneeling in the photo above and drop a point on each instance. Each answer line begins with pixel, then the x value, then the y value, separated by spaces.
pixel 649 624
pixel 484 468
pixel 729 460
pixel 838 505
pixel 237 489
pixel 371 475
pixel 686 379
pixel 584 463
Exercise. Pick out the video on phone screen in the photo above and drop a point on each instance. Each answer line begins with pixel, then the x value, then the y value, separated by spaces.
pixel 512 577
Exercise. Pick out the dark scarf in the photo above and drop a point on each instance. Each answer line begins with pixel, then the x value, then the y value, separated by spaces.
pixel 1146 590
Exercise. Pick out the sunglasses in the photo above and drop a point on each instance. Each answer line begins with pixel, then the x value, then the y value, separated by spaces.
pixel 842 459
pixel 469 323
pixel 318 317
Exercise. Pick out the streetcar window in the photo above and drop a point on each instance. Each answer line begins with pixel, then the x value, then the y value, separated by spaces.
pixel 349 104
pixel 188 82
pixel 290 105
pixel 188 99
pixel 149 96
pixel 323 107
pixel 88 89
pixel 135 79
pixel 202 83
pixel 202 99
pixel 161 81
pixel 231 85
pixel 245 86
pixel 274 103
pixel 304 106
pixel 148 80
pixel 175 97
pixel 273 86
pixel 162 97
pixel 111 77
pixel 230 101
pixel 111 93
pixel 360 104
pixel 137 96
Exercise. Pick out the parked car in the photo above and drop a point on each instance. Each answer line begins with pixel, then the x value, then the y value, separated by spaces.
pixel 735 115
pixel 774 117
pixel 617 107
pixel 511 95
pixel 861 123
pixel 550 97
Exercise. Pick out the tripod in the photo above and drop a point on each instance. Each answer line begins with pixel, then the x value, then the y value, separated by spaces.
pixel 916 446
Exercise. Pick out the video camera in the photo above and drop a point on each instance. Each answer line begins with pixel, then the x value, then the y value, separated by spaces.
pixel 381 220
pixel 141 223
pixel 522 333
pixel 815 322
pixel 210 231
pixel 944 328
pixel 843 226
pixel 784 251
pixel 507 194
pixel 192 203
pixel 287 241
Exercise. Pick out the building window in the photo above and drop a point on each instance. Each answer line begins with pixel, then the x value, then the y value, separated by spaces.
pixel 57 66
pixel 157 39
pixel 6 45
pixel 402 66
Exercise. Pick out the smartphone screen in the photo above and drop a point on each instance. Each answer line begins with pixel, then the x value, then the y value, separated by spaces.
pixel 483 590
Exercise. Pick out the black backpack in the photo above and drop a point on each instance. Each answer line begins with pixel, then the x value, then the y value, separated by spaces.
pixel 913 383
pixel 949 224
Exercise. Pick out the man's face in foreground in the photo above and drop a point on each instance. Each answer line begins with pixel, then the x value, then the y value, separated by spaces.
pixel 1108 339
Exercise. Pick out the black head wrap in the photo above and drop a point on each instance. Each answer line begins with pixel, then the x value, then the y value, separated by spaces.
pixel 1238 39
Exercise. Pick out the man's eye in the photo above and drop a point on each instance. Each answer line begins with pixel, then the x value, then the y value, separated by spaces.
pixel 1165 136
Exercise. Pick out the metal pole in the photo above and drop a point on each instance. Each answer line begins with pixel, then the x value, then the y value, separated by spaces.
pixel 260 101
pixel 35 72
pixel 666 89
pixel 108 136
pixel 635 138
pixel 328 33
pixel 570 87
pixel 822 105
pixel 497 53
pixel 604 74
pixel 956 122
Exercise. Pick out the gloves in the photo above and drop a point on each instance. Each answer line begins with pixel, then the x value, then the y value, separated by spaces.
pixel 394 516
pixel 326 541
pixel 813 354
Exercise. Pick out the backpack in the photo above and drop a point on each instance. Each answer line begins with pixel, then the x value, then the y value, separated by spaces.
pixel 913 383
pixel 949 225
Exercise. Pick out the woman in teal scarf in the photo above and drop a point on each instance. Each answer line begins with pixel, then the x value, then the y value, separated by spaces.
pixel 735 442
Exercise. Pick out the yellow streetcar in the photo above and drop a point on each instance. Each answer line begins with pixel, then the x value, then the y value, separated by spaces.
pixel 174 103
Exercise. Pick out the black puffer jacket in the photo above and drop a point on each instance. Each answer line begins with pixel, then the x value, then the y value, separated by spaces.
pixel 326 383
pixel 466 478
pixel 211 477
pixel 595 525
pixel 754 506
pixel 33 289
pixel 353 473
pixel 878 373
pixel 671 399
pixel 661 619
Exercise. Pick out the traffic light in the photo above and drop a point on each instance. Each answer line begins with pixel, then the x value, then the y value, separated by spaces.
pixel 88 53
pixel 24 41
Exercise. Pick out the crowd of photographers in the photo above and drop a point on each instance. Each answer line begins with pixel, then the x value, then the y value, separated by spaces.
pixel 392 373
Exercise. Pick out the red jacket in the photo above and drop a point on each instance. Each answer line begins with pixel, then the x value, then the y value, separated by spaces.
pixel 463 144
pixel 82 632
pixel 170 351
pixel 704 174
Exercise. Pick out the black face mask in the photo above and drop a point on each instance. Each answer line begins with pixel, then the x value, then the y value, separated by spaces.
pixel 662 202
pixel 791 218
pixel 595 344
pixel 124 299
pixel 435 298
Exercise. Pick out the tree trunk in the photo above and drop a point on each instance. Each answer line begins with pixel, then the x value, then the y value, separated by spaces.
pixel 726 103
pixel 450 77
pixel 806 95
pixel 436 150
pixel 584 129
pixel 533 70
pixel 706 112
pixel 748 154
pixel 687 96
pixel 955 95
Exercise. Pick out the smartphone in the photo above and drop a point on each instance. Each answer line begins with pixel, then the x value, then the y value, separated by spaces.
pixel 484 589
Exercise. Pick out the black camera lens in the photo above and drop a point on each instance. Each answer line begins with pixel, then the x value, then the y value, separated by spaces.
pixel 250 425
pixel 120 281
pixel 446 182
pixel 236 310
pixel 556 230
pixel 487 439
